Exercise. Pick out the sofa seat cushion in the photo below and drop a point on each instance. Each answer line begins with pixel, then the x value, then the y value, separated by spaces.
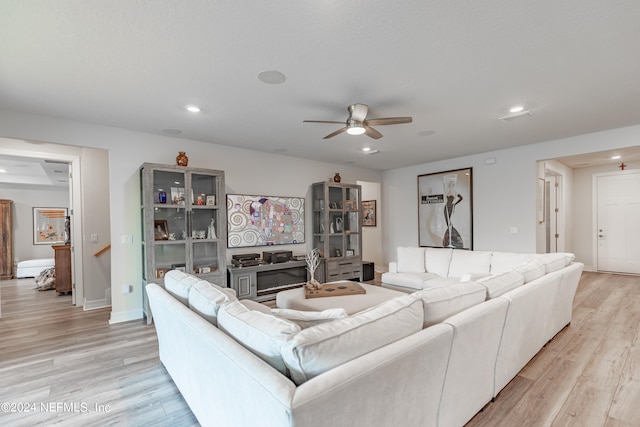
pixel 411 260
pixel 407 280
pixel 262 334
pixel 178 284
pixel 306 319
pixel 440 303
pixel 503 262
pixel 206 298
pixel 502 283
pixel 322 347
pixel 469 262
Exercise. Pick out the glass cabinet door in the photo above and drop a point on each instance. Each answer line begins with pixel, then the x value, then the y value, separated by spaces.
pixel 204 223
pixel 169 221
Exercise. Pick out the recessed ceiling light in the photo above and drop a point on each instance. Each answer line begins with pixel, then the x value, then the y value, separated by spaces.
pixel 615 157
pixel 516 109
pixel 192 108
pixel 3 171
pixel 365 149
pixel 272 77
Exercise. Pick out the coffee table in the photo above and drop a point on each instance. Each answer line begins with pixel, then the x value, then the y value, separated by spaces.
pixel 294 299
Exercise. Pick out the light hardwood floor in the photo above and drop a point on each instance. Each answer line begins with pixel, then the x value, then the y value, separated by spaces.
pixel 72 368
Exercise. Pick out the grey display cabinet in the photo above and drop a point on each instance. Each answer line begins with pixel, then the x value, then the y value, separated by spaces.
pixel 184 223
pixel 337 229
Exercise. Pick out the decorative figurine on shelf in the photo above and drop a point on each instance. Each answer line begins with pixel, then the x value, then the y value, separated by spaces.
pixel 211 231
pixel 336 177
pixel 67 230
pixel 162 196
pixel 182 159
pixel 313 260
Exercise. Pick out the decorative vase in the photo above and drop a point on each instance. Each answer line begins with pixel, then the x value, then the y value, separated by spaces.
pixel 336 177
pixel 182 159
pixel 162 197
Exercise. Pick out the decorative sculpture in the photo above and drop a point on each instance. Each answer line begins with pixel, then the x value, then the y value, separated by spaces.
pixel 313 260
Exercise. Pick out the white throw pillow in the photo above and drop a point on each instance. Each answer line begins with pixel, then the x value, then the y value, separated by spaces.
pixel 443 302
pixel 178 284
pixel 411 260
pixel 437 260
pixel 469 262
pixel 531 270
pixel 502 283
pixel 206 298
pixel 322 347
pixel 262 334
pixel 306 319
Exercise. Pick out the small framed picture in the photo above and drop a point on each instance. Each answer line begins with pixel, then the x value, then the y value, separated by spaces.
pixel 160 272
pixel 338 253
pixel 211 200
pixel 179 267
pixel 333 205
pixel 202 270
pixel 349 252
pixel 161 229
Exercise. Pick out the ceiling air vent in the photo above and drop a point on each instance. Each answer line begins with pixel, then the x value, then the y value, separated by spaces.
pixel 516 115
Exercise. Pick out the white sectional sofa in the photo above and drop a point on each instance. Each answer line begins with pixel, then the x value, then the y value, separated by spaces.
pixel 431 357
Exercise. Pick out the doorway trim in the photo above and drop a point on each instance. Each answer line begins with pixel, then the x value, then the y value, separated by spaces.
pixel 77 296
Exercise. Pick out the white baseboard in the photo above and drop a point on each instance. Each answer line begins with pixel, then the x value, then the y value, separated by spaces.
pixel 125 316
pixel 95 304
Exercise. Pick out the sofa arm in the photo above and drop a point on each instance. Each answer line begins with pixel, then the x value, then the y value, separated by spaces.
pixel 393 267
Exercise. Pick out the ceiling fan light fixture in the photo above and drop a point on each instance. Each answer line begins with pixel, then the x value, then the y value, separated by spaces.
pixel 355 128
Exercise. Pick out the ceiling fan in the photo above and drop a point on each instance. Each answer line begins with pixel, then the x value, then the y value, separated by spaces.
pixel 357 124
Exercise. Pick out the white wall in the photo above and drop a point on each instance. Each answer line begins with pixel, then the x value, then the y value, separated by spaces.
pixel 24 200
pixel 504 193
pixel 246 172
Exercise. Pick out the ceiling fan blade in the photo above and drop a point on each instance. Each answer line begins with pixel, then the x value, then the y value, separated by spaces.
pixel 322 121
pixel 338 132
pixel 371 132
pixel 358 112
pixel 388 121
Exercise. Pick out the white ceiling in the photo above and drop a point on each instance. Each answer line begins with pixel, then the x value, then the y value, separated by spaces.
pixel 454 66
pixel 29 171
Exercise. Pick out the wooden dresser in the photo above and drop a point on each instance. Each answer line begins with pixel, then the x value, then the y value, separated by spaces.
pixel 63 267
pixel 6 239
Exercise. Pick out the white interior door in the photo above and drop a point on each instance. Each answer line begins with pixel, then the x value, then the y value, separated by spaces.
pixel 618 222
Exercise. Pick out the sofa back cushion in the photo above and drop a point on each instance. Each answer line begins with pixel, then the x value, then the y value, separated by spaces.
pixel 502 262
pixel 322 347
pixel 443 302
pixel 206 298
pixel 262 334
pixel 178 284
pixel 475 263
pixel 410 260
pixel 502 283
pixel 437 260
pixel 532 270
pixel 555 261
